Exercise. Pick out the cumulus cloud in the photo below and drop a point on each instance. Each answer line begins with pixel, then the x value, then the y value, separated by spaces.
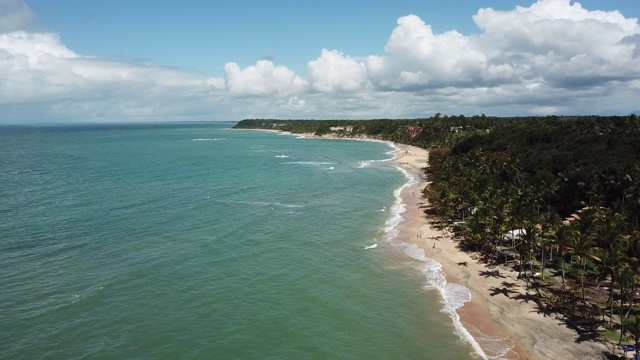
pixel 552 41
pixel 262 79
pixel 551 57
pixel 418 58
pixel 552 47
pixel 333 71
pixel 540 58
pixel 561 43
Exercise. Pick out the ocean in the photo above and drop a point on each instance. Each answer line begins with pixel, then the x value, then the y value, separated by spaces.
pixel 194 241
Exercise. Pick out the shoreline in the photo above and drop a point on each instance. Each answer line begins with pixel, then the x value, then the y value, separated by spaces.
pixel 501 317
pixel 478 328
pixel 501 312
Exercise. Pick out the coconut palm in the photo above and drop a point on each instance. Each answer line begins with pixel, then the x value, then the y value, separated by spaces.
pixel 612 264
pixel 565 235
pixel 627 280
pixel 548 240
pixel 611 252
pixel 581 247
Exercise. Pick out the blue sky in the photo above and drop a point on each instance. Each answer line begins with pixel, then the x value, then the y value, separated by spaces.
pixel 144 60
pixel 204 35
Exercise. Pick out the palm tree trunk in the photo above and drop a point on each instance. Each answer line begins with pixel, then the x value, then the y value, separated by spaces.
pixel 520 258
pixel 542 265
pixel 562 265
pixel 630 304
pixel 582 269
pixel 621 318
pixel 611 304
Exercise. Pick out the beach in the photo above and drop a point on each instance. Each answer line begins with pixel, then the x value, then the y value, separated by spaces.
pixel 502 317
pixel 243 236
pixel 501 313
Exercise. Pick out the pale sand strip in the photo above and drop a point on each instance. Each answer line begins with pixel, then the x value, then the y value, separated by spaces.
pixel 499 307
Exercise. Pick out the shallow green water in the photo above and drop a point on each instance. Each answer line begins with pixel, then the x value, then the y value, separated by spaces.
pixel 194 241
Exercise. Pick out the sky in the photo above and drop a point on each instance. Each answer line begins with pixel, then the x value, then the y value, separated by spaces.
pixel 157 60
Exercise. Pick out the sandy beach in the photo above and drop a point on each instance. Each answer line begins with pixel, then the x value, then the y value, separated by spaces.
pixel 501 312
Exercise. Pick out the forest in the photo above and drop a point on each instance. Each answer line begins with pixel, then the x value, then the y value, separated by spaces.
pixel 566 189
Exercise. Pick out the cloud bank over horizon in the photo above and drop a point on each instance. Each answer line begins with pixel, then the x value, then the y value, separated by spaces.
pixel 553 57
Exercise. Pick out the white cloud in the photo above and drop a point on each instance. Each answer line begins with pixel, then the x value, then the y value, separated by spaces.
pixel 419 58
pixel 333 71
pixel 553 41
pixel 35 67
pixel 40 75
pixel 262 79
pixel 561 42
pixel 551 57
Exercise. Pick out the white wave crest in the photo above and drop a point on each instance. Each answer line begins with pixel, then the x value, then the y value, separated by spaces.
pixel 393 152
pixel 453 295
pixel 368 163
pixel 398 207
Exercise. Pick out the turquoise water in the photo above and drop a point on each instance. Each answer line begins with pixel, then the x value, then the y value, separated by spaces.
pixel 195 241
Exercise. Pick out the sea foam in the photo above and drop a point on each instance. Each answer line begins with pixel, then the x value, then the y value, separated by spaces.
pixel 368 163
pixel 393 152
pixel 453 295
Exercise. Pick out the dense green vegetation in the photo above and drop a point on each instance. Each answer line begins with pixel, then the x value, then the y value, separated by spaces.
pixel 437 131
pixel 570 185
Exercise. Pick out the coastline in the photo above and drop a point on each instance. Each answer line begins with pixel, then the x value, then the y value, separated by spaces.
pixel 501 313
pixel 501 320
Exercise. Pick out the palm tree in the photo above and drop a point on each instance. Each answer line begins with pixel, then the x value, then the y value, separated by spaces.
pixel 548 240
pixel 581 246
pixel 547 191
pixel 523 210
pixel 531 236
pixel 611 266
pixel 627 283
pixel 612 250
pixel 565 235
pixel 587 226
